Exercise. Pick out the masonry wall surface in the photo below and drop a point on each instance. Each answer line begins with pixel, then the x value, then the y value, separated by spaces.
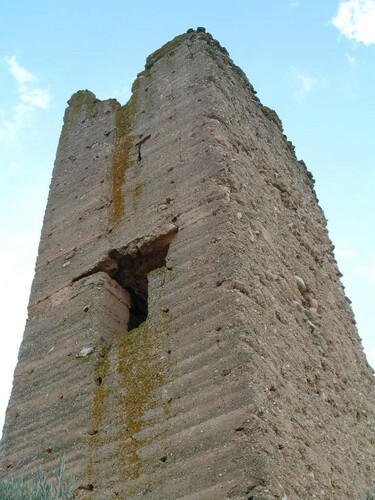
pixel 247 378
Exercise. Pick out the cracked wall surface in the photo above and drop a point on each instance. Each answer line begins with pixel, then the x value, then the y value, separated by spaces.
pixel 188 333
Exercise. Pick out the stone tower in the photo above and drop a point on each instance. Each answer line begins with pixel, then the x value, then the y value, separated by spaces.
pixel 188 334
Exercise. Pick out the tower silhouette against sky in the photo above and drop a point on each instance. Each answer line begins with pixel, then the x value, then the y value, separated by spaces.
pixel 188 334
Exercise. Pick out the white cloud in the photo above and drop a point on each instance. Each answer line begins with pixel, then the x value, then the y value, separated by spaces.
pixel 355 19
pixel 20 254
pixel 351 59
pixel 38 98
pixel 9 128
pixel 30 98
pixel 306 83
pixel 21 211
pixel 18 72
pixel 34 96
pixel 367 270
pixel 345 251
pixel 294 3
pixel 16 169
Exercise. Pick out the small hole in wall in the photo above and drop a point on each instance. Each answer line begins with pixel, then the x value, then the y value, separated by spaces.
pixel 86 487
pixel 98 381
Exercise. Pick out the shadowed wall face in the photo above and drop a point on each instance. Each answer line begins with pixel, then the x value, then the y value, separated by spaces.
pixel 186 323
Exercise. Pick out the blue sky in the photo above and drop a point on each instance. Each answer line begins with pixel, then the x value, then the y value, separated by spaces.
pixel 313 61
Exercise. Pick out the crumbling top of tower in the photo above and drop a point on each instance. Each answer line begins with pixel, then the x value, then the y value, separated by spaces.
pixel 213 46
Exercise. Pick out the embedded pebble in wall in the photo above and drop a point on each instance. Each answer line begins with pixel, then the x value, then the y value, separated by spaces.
pixel 313 316
pixel 298 305
pixel 313 303
pixel 85 351
pixel 300 283
pixel 311 324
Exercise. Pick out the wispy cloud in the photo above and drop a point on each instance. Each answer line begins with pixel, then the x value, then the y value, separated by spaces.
pixel 294 3
pixel 367 270
pixel 345 251
pixel 30 97
pixel 351 60
pixel 355 19
pixel 305 83
pixel 29 93
pixel 20 74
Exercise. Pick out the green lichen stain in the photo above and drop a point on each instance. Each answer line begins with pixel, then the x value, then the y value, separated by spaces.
pixel 273 116
pixel 82 106
pixel 165 49
pixel 123 160
pixel 128 402
pixel 84 99
pixel 141 373
pixel 99 412
pixel 138 190
pixel 143 368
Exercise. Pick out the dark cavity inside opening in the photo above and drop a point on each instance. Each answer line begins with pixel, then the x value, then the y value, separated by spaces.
pixel 130 267
pixel 132 274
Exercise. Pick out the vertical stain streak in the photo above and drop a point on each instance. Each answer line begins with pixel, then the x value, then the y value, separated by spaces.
pixel 123 160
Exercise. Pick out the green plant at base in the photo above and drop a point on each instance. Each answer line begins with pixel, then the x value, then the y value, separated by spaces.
pixel 39 487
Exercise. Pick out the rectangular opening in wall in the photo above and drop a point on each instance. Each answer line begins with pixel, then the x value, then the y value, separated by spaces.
pixel 133 266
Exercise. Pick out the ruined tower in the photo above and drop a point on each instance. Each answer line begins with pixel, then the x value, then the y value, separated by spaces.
pixel 188 334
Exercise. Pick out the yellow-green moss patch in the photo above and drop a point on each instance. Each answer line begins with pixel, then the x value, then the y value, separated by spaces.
pixel 138 190
pixel 165 49
pixel 123 160
pixel 273 116
pixel 99 411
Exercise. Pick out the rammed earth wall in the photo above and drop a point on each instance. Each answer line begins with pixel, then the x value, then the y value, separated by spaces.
pixel 188 334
